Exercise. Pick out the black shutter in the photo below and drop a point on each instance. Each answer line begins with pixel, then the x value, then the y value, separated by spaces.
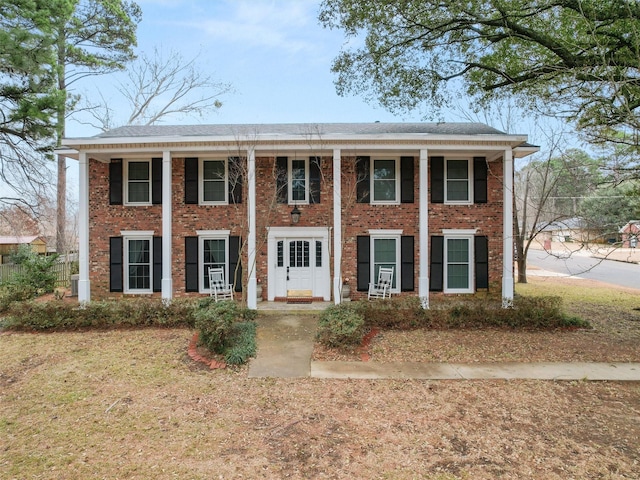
pixel 236 179
pixel 235 277
pixel 282 179
pixel 479 180
pixel 407 262
pixel 362 186
pixel 190 180
pixel 156 181
pixel 437 179
pixel 157 264
pixel 406 180
pixel 314 179
pixel 115 264
pixel 437 266
pixel 364 259
pixel 482 261
pixel 191 264
pixel 115 181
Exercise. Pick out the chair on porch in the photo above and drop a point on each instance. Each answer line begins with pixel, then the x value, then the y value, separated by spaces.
pixel 382 288
pixel 219 289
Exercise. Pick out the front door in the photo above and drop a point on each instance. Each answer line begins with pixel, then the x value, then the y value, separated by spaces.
pixel 298 260
pixel 299 265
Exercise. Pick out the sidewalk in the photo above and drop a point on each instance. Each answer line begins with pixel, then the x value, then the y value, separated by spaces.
pixel 285 346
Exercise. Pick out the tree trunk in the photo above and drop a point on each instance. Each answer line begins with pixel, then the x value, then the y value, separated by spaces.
pixel 522 270
pixel 61 208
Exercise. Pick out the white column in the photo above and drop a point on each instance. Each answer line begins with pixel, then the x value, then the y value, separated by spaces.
pixel 507 233
pixel 423 279
pixel 84 284
pixel 337 227
pixel 252 302
pixel 167 228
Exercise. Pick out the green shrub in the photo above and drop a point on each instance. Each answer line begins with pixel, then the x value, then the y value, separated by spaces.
pixel 344 324
pixel 220 330
pixel 242 343
pixel 341 325
pixel 57 315
pixel 37 270
pixel 12 292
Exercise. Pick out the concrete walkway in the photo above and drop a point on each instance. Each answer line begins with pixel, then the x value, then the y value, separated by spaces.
pixel 285 346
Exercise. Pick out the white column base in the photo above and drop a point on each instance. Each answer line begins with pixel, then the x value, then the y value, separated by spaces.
pixel 167 290
pixel 252 300
pixel 337 290
pixel 507 291
pixel 423 291
pixel 84 291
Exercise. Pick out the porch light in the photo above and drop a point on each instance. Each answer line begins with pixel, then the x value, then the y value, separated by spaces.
pixel 295 214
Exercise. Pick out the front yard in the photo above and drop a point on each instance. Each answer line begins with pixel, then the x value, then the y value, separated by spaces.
pixel 131 404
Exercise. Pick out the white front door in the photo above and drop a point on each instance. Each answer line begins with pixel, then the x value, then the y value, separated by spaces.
pixel 300 265
pixel 299 260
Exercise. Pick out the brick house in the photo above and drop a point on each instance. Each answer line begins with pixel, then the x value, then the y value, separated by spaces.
pixel 630 233
pixel 296 207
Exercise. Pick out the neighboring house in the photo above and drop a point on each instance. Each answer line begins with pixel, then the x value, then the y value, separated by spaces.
pixel 10 244
pixel 630 233
pixel 303 207
pixel 568 230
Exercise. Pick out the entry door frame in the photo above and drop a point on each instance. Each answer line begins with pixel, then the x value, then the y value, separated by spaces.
pixel 322 275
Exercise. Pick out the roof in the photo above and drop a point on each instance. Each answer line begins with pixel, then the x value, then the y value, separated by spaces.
pixel 289 135
pixel 293 129
pixel 18 240
pixel 573 223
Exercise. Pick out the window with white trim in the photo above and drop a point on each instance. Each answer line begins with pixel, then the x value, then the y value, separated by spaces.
pixel 214 253
pixel 213 181
pixel 138 266
pixel 137 182
pixel 458 182
pixel 385 180
pixel 458 264
pixel 385 252
pixel 299 180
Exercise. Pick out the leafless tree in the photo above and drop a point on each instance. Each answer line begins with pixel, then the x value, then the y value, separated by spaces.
pixel 158 87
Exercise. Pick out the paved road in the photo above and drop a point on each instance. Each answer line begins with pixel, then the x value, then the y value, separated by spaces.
pixel 580 265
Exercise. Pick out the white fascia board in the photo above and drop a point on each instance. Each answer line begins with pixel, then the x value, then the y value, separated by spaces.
pixel 521 152
pixel 325 141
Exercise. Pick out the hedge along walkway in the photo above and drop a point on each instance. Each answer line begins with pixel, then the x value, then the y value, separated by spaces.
pixel 285 345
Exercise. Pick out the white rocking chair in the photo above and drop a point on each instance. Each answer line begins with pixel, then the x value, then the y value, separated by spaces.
pixel 219 289
pixel 382 288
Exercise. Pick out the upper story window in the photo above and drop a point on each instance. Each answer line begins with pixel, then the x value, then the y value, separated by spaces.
pixel 138 182
pixel 135 181
pixel 213 180
pixel 299 180
pixel 457 181
pixel 384 181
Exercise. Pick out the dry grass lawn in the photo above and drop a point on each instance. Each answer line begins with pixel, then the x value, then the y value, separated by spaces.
pixel 131 405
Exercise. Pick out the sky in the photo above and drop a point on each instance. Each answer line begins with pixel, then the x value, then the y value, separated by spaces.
pixel 274 53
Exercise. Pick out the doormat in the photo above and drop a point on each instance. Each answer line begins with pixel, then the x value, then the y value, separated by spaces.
pixel 299 296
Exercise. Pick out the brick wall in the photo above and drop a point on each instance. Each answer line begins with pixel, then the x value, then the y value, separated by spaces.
pixel 108 220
